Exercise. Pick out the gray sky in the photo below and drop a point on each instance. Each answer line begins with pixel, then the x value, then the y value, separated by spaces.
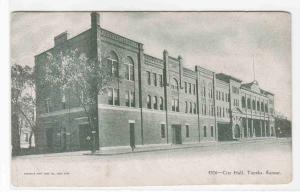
pixel 219 41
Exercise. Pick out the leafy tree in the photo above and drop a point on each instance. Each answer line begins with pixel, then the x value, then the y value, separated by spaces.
pixel 22 103
pixel 86 77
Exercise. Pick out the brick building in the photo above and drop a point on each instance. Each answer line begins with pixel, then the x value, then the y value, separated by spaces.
pixel 157 101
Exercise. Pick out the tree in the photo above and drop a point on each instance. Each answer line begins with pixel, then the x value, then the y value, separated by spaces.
pixel 87 78
pixel 22 103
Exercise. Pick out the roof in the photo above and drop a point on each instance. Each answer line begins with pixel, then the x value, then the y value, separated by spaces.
pixel 225 77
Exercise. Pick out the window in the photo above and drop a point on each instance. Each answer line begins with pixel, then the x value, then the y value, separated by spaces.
pixel 257 106
pixel 190 88
pixel 253 105
pixel 161 106
pixel 174 84
pixel 194 89
pixel 129 73
pixel 26 137
pixel 266 108
pixel 148 77
pixel 223 112
pixel 116 97
pixel 110 96
pixel 154 79
pixel 112 61
pixel 160 80
pixel 132 99
pixel 175 105
pixel 163 131
pixel 113 96
pixel 191 107
pixel 195 108
pixel 211 131
pixel 47 103
pixel 248 103
pixel 222 96
pixel 185 87
pixel 203 93
pixel 155 105
pixel 204 130
pixel 149 102
pixel 186 107
pixel 127 100
pixel 262 106
pixel 187 131
pixel 243 102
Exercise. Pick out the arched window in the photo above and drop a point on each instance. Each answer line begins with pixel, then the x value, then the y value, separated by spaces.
pixel 161 103
pixel 248 103
pixel 243 102
pixel 149 102
pixel 262 107
pixel 113 63
pixel 253 105
pixel 266 108
pixel 129 65
pixel 155 105
pixel 191 107
pixel 174 84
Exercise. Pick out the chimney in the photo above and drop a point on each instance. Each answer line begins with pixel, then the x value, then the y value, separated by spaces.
pixel 61 38
pixel 95 19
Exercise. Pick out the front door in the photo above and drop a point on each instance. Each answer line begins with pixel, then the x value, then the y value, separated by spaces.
pixel 176 134
pixel 84 142
pixel 132 135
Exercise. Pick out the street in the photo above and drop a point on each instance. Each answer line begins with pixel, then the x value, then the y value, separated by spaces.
pixel 243 163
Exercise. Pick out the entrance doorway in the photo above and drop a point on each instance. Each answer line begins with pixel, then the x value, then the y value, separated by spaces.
pixel 237 131
pixel 84 143
pixel 132 135
pixel 176 134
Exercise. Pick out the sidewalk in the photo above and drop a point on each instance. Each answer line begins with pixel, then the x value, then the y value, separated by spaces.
pixel 149 148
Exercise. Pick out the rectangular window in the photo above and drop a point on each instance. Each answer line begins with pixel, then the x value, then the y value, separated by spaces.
pixel 26 137
pixel 173 104
pixel 211 131
pixel 190 88
pixel 222 96
pixel 127 96
pixel 177 105
pixel 110 96
pixel 132 99
pixel 195 108
pixel 154 79
pixel 163 131
pixel 194 89
pixel 185 87
pixel 160 81
pixel 187 131
pixel 148 77
pixel 204 130
pixel 116 97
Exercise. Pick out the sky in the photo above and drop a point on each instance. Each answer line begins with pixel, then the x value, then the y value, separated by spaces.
pixel 225 42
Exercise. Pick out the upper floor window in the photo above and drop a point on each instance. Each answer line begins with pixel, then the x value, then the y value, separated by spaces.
pixel 191 107
pixel 203 89
pixel 149 102
pixel 222 96
pixel 244 102
pixel 130 99
pixel 262 106
pixel 190 88
pixel 161 103
pixel 154 79
pixel 174 84
pixel 258 106
pixel 148 77
pixel 155 105
pixel 195 108
pixel 185 87
pixel 113 62
pixel 194 89
pixel 186 107
pixel 253 105
pixel 129 65
pixel 211 131
pixel 175 105
pixel 160 80
pixel 248 103
pixel 266 108
pixel 113 96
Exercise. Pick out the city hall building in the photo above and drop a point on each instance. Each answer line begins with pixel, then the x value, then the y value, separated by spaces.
pixel 156 101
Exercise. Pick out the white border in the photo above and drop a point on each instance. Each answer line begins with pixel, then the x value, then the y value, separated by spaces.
pixel 6 7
